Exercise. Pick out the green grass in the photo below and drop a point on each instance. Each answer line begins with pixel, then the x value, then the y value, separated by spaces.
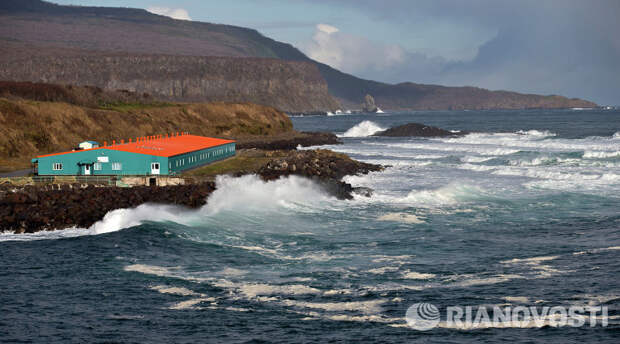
pixel 247 161
pixel 128 107
pixel 229 166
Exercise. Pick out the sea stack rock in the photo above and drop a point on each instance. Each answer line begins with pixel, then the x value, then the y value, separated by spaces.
pixel 369 104
pixel 419 130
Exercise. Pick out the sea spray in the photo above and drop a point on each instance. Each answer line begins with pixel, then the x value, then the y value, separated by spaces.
pixel 363 129
pixel 246 194
pixel 250 193
pixel 238 194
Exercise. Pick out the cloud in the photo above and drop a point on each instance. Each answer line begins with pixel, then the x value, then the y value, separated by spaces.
pixel 361 56
pixel 326 28
pixel 174 13
pixel 566 47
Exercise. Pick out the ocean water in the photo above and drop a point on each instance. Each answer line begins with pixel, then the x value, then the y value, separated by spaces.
pixel 524 211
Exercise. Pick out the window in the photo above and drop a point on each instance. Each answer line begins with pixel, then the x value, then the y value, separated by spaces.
pixel 97 166
pixel 57 166
pixel 117 166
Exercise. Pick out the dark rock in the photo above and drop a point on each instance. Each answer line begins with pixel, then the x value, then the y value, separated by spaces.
pixel 48 207
pixel 418 130
pixel 363 191
pixel 304 139
pixel 325 167
pixel 369 104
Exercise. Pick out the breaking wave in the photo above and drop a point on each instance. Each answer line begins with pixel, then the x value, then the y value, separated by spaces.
pixel 363 129
pixel 246 194
pixel 600 155
pixel 448 195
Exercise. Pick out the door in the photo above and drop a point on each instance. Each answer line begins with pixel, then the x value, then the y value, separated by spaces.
pixel 87 170
pixel 155 168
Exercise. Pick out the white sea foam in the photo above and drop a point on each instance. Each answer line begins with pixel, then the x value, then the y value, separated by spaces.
pixel 363 129
pixel 448 195
pixel 537 133
pixel 252 290
pixel 149 269
pixel 475 159
pixel 598 250
pixel 45 235
pixel 190 304
pixel 383 270
pixel 517 299
pixel 532 260
pixel 368 307
pixel 174 290
pixel 124 218
pixel 600 155
pixel 417 275
pixel 476 281
pixel 401 217
pixel 251 193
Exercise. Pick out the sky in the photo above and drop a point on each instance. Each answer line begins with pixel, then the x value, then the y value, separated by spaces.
pixel 565 47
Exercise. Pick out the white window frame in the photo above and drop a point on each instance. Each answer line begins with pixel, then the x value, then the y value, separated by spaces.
pixel 117 166
pixel 57 166
pixel 97 166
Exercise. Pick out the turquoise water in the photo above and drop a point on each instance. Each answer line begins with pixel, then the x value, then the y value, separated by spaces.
pixel 524 211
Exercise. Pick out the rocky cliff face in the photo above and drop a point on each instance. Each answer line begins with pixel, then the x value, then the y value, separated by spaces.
pixel 286 85
pixel 88 32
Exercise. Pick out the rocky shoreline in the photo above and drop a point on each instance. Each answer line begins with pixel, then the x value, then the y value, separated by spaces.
pixel 288 141
pixel 29 209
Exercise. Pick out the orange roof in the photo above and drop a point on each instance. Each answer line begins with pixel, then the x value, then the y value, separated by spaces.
pixel 61 153
pixel 162 145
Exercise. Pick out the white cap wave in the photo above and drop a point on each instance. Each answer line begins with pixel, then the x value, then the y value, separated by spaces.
pixel 363 129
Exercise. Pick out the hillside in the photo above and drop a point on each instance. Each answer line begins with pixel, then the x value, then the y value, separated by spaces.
pixel 29 127
pixel 37 33
pixel 286 85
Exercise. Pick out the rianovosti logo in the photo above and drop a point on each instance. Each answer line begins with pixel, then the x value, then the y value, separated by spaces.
pixel 422 316
pixel 426 316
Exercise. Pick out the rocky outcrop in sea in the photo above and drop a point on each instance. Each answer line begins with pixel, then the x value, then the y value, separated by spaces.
pixel 418 130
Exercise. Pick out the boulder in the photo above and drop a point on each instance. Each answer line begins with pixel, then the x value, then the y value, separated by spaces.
pixel 418 130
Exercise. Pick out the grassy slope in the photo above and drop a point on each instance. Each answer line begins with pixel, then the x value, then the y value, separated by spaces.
pixel 29 128
pixel 245 161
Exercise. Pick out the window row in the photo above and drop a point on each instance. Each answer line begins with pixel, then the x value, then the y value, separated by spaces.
pixel 117 166
pixel 203 156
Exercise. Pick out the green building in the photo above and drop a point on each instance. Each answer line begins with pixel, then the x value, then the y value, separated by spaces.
pixel 153 155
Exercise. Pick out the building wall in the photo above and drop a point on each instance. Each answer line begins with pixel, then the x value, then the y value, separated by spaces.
pixel 131 163
pixel 182 162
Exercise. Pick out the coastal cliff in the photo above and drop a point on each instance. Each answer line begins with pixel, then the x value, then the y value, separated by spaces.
pixel 285 85
pixel 91 46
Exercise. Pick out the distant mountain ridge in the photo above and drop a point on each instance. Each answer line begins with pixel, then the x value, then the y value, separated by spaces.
pixel 35 29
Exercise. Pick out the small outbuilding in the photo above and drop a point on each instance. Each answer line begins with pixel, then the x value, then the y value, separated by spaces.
pixel 150 155
pixel 88 145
